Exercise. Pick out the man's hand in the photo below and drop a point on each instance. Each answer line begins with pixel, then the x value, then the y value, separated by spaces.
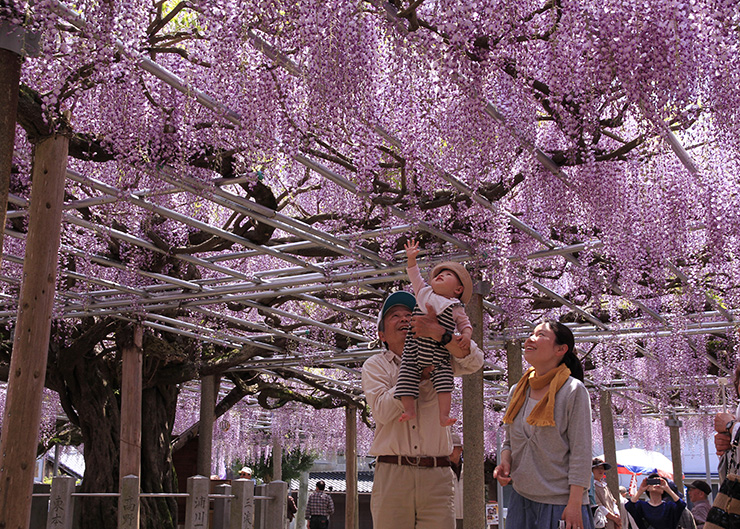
pixel 426 372
pixel 722 443
pixel 426 325
pixel 721 420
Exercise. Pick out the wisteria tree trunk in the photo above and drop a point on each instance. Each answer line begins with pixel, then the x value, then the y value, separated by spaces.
pixel 90 384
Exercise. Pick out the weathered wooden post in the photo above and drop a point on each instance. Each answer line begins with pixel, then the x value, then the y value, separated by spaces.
pixel 27 372
pixel 242 505
pixel 131 405
pixel 474 502
pixel 609 440
pixel 351 518
pixel 196 511
pixel 129 512
pixel 205 431
pixel 61 507
pixel 674 424
pixel 276 507
pixel 222 507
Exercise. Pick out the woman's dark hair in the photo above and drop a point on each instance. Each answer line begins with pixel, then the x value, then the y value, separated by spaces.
pixel 564 336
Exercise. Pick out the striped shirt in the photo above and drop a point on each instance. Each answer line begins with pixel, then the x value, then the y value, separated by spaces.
pixel 319 503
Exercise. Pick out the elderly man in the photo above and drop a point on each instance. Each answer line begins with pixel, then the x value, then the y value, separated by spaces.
pixel 245 473
pixel 413 485
pixel 698 492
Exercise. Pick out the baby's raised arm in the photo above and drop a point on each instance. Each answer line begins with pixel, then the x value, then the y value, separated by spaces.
pixel 412 250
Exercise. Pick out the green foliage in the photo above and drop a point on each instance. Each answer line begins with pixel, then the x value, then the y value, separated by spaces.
pixel 295 462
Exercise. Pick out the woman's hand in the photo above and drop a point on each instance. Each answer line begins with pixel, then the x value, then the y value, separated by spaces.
pixel 502 471
pixel 573 513
pixel 573 517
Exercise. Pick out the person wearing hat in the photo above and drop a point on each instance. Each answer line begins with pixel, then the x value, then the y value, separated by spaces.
pixel 413 483
pixel 699 492
pixel 604 497
pixel 245 473
pixel 449 289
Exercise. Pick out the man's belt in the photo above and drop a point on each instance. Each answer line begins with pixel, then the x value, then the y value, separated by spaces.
pixel 416 461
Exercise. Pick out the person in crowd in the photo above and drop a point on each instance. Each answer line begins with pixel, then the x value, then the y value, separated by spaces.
pixel 319 507
pixel 245 473
pixel 546 454
pixel 655 511
pixel 291 509
pixel 451 287
pixel 456 463
pixel 413 484
pixel 727 438
pixel 604 497
pixel 627 521
pixel 699 492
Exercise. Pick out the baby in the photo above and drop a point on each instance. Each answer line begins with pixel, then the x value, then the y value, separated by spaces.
pixel 451 287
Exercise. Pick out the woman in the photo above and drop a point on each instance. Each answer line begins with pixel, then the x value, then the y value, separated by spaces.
pixel 546 455
pixel 656 512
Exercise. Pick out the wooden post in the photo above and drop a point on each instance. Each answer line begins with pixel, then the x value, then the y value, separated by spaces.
pixel 351 518
pixel 300 516
pixel 242 506
pixel 20 431
pixel 674 424
pixel 61 507
pixel 205 432
pixel 129 511
pixel 474 502
pixel 609 440
pixel 222 507
pixel 277 458
pixel 10 76
pixel 131 405
pixel 276 508
pixel 514 361
pixel 196 511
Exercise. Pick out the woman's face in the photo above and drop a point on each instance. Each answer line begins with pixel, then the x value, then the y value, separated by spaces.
pixel 540 349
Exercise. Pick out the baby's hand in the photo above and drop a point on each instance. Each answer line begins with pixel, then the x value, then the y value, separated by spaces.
pixel 463 341
pixel 412 248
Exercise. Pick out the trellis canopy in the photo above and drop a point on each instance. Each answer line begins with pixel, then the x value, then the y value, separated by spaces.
pixel 243 176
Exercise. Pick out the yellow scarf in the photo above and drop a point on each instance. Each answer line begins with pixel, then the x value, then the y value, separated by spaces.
pixel 543 414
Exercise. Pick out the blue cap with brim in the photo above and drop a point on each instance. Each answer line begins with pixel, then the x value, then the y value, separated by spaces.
pixel 401 297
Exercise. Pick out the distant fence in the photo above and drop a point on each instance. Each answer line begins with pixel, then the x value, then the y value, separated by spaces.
pixel 240 505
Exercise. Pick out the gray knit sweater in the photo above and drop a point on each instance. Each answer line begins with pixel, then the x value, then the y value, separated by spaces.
pixel 544 465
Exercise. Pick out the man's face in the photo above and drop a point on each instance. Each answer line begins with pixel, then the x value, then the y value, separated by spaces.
pixel 696 495
pixel 395 327
pixel 245 475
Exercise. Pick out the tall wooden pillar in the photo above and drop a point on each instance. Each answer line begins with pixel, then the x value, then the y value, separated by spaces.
pixel 609 440
pixel 207 417
pixel 277 458
pixel 674 424
pixel 474 500
pixel 31 340
pixel 351 518
pixel 131 405
pixel 514 368
pixel 10 76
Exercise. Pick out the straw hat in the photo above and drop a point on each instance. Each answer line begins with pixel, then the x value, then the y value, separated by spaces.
pixel 461 273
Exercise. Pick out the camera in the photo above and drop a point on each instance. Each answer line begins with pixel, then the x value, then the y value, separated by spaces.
pixel 653 481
